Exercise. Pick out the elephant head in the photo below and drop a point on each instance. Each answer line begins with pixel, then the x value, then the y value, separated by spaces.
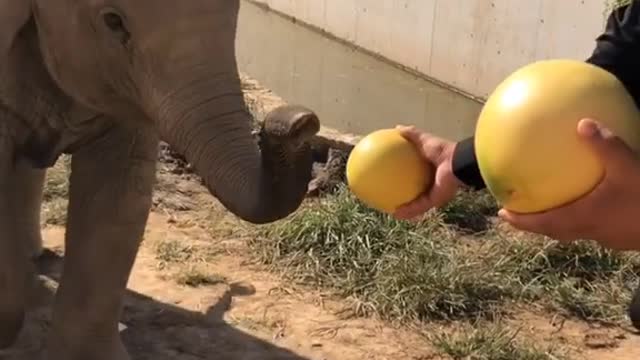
pixel 171 64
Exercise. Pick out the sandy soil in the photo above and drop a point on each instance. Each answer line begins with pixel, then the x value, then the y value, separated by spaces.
pixel 244 312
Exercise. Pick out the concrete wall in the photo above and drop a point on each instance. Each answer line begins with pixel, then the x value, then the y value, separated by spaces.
pixel 469 44
pixel 350 90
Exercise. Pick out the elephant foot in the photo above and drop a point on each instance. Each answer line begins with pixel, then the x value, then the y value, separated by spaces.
pixel 10 326
pixel 83 348
pixel 13 292
pixel 35 250
pixel 634 309
pixel 33 244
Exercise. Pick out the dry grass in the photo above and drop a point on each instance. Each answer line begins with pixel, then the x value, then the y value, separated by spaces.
pixel 173 251
pixel 56 193
pixel 428 271
pixel 456 267
pixel 194 276
pixel 491 341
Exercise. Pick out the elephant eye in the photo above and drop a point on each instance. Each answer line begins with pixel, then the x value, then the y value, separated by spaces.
pixel 115 23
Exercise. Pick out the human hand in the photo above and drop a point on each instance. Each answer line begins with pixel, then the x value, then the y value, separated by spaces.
pixel 438 152
pixel 609 214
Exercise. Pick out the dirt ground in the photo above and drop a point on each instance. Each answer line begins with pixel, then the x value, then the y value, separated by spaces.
pixel 196 293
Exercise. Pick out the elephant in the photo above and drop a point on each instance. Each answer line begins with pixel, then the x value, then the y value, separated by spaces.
pixel 634 309
pixel 105 81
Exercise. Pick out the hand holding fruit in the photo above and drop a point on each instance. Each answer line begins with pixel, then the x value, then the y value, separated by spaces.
pixel 438 152
pixel 554 172
pixel 608 213
pixel 402 171
pixel 548 177
pixel 385 170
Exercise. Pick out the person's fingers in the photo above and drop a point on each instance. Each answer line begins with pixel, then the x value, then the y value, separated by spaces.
pixel 414 208
pixel 436 197
pixel 570 221
pixel 558 223
pixel 442 190
pixel 424 141
pixel 611 149
pixel 525 222
pixel 411 133
pixel 431 147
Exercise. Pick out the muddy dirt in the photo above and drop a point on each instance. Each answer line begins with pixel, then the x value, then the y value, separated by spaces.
pixel 196 293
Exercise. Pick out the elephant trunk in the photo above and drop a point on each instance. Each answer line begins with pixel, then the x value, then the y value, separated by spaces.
pixel 259 178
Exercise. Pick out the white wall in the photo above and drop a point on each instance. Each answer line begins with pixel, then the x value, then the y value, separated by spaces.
pixel 349 90
pixel 469 44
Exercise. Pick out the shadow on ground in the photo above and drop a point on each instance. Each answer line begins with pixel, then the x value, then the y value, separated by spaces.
pixel 156 330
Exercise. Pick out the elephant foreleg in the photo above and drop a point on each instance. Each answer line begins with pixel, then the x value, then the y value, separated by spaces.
pixel 634 309
pixel 20 237
pixel 28 185
pixel 110 198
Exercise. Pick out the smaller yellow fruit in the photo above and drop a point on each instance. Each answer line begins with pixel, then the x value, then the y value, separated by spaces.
pixel 385 171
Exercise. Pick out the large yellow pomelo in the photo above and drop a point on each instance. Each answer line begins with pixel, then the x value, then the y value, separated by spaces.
pixel 385 170
pixel 526 141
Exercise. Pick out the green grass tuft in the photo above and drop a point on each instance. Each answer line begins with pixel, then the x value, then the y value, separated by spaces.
pixel 471 212
pixel 173 251
pixel 491 342
pixel 57 181
pixel 401 269
pixel 583 279
pixel 195 277
pixel 56 192
pixel 427 271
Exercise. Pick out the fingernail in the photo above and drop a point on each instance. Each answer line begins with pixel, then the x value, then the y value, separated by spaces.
pixel 588 127
pixel 502 213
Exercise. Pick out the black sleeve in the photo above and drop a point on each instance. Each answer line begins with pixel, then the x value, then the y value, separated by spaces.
pixel 617 51
pixel 465 166
pixel 618 47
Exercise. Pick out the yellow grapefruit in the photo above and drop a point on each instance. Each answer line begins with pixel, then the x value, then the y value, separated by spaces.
pixel 384 170
pixel 526 141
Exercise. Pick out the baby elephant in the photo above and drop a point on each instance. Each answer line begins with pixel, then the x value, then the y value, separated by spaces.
pixel 104 80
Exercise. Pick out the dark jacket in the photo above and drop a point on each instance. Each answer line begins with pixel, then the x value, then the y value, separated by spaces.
pixel 617 51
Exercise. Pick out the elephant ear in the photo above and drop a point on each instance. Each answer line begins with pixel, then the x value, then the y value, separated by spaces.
pixel 14 14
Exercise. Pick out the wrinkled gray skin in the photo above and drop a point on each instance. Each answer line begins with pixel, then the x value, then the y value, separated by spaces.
pixel 104 80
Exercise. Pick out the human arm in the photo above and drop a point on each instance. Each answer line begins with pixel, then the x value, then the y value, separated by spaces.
pixel 617 51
